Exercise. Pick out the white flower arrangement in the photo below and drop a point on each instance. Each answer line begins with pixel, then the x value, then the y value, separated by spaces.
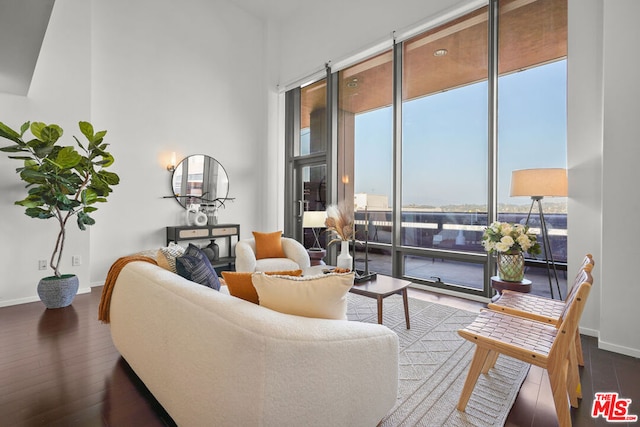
pixel 502 237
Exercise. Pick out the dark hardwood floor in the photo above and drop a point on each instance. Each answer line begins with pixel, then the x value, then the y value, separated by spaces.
pixel 60 368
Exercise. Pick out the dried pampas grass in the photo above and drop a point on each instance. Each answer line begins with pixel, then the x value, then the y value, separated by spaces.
pixel 340 222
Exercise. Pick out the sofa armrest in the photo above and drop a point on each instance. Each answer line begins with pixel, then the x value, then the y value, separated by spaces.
pixel 296 252
pixel 245 257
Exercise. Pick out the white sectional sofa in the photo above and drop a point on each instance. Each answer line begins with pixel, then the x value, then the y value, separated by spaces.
pixel 212 359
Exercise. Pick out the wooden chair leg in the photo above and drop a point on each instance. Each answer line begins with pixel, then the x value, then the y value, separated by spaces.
pixel 558 380
pixel 478 361
pixel 579 348
pixel 573 378
pixel 490 362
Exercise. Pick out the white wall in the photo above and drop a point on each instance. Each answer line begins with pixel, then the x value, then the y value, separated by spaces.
pixel 159 76
pixel 60 93
pixel 584 156
pixel 169 76
pixel 620 317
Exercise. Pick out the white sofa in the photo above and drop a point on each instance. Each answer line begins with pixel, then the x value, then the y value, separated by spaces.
pixel 297 257
pixel 212 359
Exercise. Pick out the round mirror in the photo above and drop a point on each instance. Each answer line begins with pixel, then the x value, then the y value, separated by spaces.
pixel 199 179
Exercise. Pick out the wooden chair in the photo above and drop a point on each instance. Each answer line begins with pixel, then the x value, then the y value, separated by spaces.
pixel 534 342
pixel 540 308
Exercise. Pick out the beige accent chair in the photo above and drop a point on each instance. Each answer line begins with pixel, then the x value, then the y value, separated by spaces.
pixel 297 257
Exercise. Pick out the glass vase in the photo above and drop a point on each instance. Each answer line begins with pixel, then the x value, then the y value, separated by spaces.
pixel 511 266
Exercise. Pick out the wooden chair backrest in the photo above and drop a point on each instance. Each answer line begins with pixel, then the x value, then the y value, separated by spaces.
pixel 571 317
pixel 584 275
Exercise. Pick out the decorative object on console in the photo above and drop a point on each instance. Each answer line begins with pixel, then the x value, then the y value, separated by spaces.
pixel 62 183
pixel 194 216
pixel 509 241
pixel 212 251
pixel 340 222
pixel 537 184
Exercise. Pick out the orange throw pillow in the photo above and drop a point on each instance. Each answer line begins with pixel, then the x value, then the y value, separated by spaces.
pixel 269 245
pixel 241 286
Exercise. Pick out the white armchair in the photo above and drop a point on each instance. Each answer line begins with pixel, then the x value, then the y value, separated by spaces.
pixel 297 257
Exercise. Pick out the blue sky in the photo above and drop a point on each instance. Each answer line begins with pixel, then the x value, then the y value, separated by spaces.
pixel 445 139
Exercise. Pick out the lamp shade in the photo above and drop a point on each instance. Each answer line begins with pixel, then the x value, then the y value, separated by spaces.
pixel 539 182
pixel 314 219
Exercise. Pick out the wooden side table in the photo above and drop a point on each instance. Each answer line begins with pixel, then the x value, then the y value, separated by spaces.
pixel 382 287
pixel 316 255
pixel 500 285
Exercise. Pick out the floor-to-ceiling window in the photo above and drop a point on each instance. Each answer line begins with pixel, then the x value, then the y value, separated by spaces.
pixel 365 148
pixel 444 150
pixel 532 125
pixel 459 122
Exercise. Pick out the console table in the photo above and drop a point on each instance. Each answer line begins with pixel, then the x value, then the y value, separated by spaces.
pixel 229 232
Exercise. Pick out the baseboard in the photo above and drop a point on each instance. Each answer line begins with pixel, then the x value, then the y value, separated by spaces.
pixel 627 351
pixel 589 332
pixel 35 298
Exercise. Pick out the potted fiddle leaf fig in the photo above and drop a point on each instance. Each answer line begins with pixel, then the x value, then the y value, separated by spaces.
pixel 63 182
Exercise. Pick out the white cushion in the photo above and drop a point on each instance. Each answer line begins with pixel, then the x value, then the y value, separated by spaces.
pixel 322 296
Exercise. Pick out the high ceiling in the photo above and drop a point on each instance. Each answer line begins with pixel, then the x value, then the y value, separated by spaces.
pixel 23 24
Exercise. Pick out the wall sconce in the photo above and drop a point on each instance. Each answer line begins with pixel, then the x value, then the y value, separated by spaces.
pixel 172 163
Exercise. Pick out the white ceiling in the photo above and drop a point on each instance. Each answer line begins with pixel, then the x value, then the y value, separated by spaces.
pixel 23 24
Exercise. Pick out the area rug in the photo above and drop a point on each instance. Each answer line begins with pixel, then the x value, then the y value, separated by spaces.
pixel 433 365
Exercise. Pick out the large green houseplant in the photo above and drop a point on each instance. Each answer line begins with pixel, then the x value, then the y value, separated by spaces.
pixel 63 182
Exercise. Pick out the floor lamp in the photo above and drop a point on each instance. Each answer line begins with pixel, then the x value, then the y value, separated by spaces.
pixel 314 220
pixel 537 184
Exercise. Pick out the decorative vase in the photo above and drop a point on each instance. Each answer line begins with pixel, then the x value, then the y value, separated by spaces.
pixel 212 251
pixel 58 292
pixel 345 260
pixel 511 266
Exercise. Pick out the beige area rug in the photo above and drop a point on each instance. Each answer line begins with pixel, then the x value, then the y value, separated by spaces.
pixel 434 361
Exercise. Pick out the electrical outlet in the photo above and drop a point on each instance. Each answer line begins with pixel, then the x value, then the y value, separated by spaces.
pixel 42 264
pixel 76 260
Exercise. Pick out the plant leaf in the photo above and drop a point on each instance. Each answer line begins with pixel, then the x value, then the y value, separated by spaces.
pixel 68 157
pixel 10 134
pixel 87 130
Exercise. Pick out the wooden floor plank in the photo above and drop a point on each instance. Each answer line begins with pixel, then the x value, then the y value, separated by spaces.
pixel 60 368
